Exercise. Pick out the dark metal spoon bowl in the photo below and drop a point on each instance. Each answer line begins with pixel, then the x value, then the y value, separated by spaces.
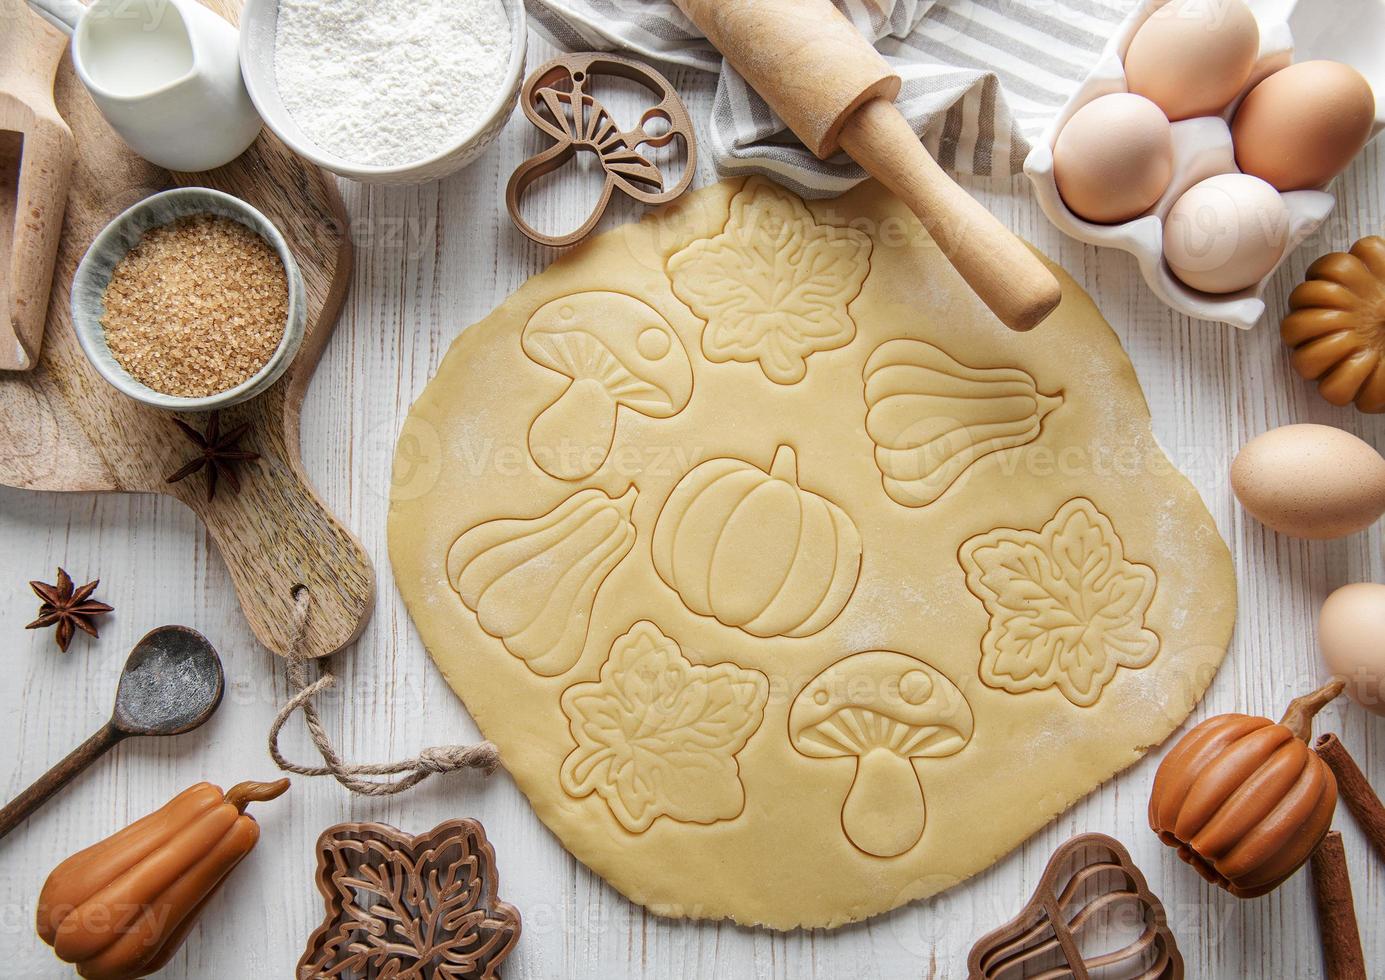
pixel 171 684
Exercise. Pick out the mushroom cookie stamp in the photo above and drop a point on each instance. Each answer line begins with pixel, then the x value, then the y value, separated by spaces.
pixel 767 561
pixel 618 352
pixel 885 710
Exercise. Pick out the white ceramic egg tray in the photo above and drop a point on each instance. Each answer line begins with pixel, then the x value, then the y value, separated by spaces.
pixel 1348 31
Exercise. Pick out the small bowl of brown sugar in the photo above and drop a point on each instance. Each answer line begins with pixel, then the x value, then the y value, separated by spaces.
pixel 189 301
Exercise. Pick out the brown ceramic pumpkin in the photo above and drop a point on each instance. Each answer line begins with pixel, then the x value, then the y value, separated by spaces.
pixel 1245 801
pixel 121 908
pixel 1336 325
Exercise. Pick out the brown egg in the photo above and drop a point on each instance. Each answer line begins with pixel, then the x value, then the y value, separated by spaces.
pixel 1113 158
pixel 1310 481
pixel 1226 233
pixel 1351 636
pixel 1191 57
pixel 1300 127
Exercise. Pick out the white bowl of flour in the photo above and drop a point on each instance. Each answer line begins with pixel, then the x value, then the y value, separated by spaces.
pixel 384 91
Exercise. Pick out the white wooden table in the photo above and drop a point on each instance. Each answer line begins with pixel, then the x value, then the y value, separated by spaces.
pixel 432 259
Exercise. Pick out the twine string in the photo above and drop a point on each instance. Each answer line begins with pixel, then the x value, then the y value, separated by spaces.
pixel 438 759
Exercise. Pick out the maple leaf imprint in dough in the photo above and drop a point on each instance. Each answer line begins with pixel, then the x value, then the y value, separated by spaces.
pixel 1067 610
pixel 774 285
pixel 658 735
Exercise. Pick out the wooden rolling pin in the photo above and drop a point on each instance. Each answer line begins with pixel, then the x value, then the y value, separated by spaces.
pixel 835 92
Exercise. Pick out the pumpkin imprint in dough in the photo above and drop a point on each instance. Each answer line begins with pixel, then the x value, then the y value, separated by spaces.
pixel 774 285
pixel 931 417
pixel 617 351
pixel 651 751
pixel 755 550
pixel 657 735
pixel 885 709
pixel 532 582
pixel 1067 609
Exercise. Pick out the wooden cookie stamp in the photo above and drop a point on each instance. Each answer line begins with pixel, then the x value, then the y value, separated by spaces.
pixel 1090 881
pixel 407 906
pixel 556 100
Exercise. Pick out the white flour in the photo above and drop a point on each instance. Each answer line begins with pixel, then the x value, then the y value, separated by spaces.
pixel 389 82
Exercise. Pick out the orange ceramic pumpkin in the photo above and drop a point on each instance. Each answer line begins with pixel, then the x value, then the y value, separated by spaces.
pixel 121 908
pixel 1245 801
pixel 1337 325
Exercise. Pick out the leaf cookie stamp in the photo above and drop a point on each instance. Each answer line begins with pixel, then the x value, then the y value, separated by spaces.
pixel 931 417
pixel 619 352
pixel 755 550
pixel 774 285
pixel 532 582
pixel 1067 609
pixel 885 709
pixel 657 735
pixel 408 907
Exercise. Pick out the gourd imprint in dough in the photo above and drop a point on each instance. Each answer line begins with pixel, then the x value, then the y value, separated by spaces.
pixel 931 417
pixel 886 709
pixel 617 351
pixel 658 735
pixel 1067 609
pixel 532 582
pixel 774 285
pixel 756 551
pixel 779 821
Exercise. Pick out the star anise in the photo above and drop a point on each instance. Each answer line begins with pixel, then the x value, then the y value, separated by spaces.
pixel 218 452
pixel 68 607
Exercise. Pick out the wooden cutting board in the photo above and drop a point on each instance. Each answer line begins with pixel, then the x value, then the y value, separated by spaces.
pixel 62 427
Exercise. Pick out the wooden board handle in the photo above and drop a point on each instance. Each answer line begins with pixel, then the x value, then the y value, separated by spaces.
pixel 275 535
pixel 35 170
pixel 1001 269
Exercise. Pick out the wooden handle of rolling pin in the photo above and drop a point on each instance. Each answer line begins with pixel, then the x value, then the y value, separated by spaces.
pixel 835 91
pixel 1000 268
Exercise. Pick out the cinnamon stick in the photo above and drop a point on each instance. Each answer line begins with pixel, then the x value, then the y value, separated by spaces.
pixel 1341 939
pixel 1360 799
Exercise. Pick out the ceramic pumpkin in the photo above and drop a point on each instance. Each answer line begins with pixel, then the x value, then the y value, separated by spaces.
pixel 532 582
pixel 1336 325
pixel 121 908
pixel 1245 801
pixel 755 550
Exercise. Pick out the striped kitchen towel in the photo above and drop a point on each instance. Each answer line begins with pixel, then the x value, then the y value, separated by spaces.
pixel 981 77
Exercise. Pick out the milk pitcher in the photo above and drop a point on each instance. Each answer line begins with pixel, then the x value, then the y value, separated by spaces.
pixel 165 74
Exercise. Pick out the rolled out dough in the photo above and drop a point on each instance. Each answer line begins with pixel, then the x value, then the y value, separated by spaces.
pixel 790 585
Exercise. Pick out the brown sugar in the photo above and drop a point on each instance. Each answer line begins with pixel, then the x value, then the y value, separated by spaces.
pixel 197 307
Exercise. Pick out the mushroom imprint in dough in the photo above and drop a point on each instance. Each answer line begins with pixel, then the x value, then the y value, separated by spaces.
pixel 617 351
pixel 885 709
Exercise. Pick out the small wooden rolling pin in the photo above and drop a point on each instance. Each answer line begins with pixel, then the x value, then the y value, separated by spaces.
pixel 835 92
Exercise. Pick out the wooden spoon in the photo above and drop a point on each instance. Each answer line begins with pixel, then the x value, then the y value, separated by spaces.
pixel 171 684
